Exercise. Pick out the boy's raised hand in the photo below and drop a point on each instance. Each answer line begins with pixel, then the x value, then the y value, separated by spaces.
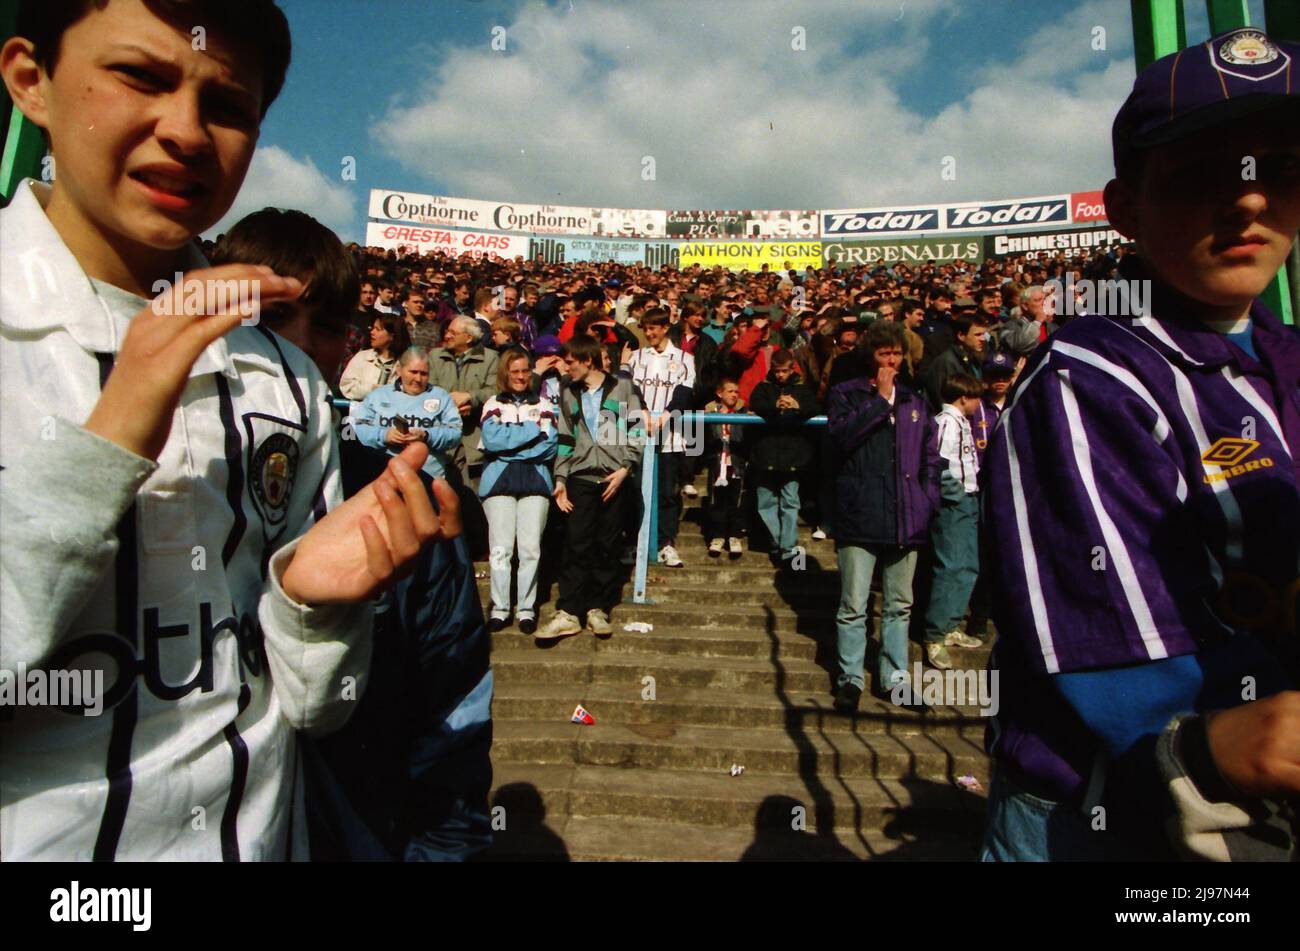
pixel 371 540
pixel 162 343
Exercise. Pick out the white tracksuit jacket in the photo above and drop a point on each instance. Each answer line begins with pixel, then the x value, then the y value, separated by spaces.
pixel 657 375
pixel 208 665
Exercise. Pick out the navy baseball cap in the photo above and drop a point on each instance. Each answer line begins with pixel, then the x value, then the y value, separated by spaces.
pixel 999 362
pixel 1231 75
pixel 547 345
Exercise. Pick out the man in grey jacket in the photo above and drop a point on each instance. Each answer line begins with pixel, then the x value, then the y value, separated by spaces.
pixel 467 371
pixel 601 440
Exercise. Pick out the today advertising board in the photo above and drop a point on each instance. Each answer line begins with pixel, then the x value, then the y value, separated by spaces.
pixel 426 240
pixel 751 255
pixel 1038 244
pixel 866 222
pixel 983 216
pixel 848 254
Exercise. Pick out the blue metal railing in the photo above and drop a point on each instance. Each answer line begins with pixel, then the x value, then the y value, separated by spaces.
pixel 647 541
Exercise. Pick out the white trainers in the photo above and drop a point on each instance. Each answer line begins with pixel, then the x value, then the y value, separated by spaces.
pixel 959 639
pixel 668 557
pixel 734 548
pixel 715 547
pixel 690 491
pixel 819 534
pixel 598 623
pixel 937 654
pixel 562 625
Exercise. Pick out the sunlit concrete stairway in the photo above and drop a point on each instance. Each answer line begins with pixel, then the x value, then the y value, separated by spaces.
pixel 740 662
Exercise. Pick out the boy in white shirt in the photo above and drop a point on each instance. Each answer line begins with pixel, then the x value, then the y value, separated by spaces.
pixel 664 375
pixel 168 467
pixel 955 533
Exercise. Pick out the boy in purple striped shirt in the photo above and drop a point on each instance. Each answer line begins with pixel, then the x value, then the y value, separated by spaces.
pixel 1142 504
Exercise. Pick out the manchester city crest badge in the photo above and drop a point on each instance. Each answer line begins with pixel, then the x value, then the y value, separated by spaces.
pixel 1249 48
pixel 274 466
pixel 431 406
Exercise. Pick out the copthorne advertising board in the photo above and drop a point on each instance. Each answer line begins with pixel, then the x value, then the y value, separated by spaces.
pixel 750 255
pixel 1039 244
pixel 519 217
pixel 848 254
pixel 762 224
pixel 426 240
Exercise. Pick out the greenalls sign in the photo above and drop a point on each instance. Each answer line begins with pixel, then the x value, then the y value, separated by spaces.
pixel 915 251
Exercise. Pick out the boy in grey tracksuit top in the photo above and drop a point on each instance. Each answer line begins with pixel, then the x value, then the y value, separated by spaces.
pixel 601 436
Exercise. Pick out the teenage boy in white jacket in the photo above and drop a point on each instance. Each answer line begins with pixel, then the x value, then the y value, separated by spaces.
pixel 167 471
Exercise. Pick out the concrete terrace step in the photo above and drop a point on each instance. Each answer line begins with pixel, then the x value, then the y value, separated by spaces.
pixel 669 615
pixel 583 660
pixel 712 749
pixel 752 800
pixel 573 838
pixel 698 642
pixel 794 712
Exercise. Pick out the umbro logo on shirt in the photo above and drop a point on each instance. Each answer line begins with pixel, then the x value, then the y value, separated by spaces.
pixel 1229 454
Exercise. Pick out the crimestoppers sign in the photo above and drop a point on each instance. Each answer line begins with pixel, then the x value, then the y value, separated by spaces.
pixel 751 255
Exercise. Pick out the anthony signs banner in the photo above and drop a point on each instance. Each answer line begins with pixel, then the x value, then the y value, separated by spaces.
pixel 751 255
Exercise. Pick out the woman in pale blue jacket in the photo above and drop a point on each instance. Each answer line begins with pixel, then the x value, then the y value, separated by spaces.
pixel 519 439
pixel 427 413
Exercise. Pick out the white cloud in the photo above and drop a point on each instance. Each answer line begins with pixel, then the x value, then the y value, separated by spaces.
pixel 735 117
pixel 278 180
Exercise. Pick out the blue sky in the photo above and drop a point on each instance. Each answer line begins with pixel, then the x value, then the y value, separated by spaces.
pixel 717 93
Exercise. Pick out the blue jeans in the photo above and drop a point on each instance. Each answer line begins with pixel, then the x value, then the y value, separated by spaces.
pixel 778 507
pixel 1021 827
pixel 956 565
pixel 514 521
pixel 857 564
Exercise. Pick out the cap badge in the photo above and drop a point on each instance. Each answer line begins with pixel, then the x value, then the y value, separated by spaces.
pixel 1249 48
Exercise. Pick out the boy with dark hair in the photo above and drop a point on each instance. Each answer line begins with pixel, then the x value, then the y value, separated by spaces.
pixel 190 465
pixel 600 444
pixel 296 245
pixel 1142 500
pixel 887 470
pixel 955 535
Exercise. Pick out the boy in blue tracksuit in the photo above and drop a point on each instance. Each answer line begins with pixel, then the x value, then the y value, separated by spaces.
pixel 429 413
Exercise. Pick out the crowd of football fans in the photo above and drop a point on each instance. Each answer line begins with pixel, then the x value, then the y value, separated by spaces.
pixel 494 357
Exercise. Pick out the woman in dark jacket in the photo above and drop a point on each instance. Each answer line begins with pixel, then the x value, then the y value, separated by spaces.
pixel 886 492
pixel 781 450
